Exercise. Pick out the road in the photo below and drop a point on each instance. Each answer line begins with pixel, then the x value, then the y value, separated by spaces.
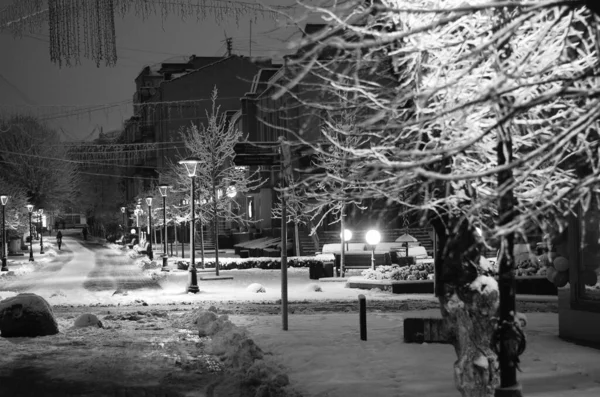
pixel 81 265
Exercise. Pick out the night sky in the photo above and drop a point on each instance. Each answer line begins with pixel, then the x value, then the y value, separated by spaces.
pixel 30 81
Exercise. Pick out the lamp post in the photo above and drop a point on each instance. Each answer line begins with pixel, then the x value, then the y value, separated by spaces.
pixel 163 192
pixel 30 209
pixel 123 209
pixel 231 193
pixel 149 202
pixel 4 199
pixel 373 238
pixel 191 164
pixel 40 213
pixel 345 236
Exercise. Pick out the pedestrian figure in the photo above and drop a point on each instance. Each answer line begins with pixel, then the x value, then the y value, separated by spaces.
pixel 85 233
pixel 59 239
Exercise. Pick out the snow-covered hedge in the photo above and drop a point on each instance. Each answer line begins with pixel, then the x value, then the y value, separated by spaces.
pixel 420 271
pixel 255 263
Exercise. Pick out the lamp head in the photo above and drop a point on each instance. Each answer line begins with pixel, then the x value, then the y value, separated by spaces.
pixel 163 190
pixel 190 165
pixel 41 211
pixel 149 201
pixel 373 237
pixel 346 235
pixel 4 199
pixel 123 209
pixel 30 208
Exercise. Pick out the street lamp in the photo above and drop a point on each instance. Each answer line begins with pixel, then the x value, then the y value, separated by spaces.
pixel 41 212
pixel 191 164
pixel 30 209
pixel 149 202
pixel 123 209
pixel 373 238
pixel 346 236
pixel 163 192
pixel 4 199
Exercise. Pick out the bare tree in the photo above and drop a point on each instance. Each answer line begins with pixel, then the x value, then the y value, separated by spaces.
pixel 488 114
pixel 34 158
pixel 222 180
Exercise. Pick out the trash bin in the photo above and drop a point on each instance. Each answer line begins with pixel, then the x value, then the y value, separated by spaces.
pixel 315 271
pixel 328 269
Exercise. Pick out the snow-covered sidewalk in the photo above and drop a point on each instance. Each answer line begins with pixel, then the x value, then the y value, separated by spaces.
pixel 324 356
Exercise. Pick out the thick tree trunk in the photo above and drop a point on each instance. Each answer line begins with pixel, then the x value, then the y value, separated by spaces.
pixel 468 312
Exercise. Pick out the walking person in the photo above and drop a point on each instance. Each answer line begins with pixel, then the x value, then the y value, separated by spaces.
pixel 85 233
pixel 59 239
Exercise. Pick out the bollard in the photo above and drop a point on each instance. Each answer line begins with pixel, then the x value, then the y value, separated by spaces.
pixel 362 308
pixel 171 249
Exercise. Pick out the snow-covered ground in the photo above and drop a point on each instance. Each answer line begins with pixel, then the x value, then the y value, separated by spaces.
pixel 322 353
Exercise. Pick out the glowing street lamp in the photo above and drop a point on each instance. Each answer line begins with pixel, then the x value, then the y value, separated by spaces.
pixel 40 214
pixel 373 238
pixel 149 202
pixel 4 199
pixel 191 164
pixel 346 236
pixel 163 192
pixel 30 209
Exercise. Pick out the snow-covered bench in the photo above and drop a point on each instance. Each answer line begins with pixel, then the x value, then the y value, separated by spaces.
pixel 142 248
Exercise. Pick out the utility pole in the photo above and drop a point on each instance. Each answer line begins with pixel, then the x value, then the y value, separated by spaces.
pixel 250 41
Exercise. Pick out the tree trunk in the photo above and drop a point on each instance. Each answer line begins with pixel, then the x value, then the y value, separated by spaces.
pixel 468 312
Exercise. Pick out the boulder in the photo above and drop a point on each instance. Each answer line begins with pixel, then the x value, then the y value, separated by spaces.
pixel 87 320
pixel 26 315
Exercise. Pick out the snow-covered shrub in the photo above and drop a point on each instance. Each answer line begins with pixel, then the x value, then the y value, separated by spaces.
pixel 419 271
pixel 314 287
pixel 256 288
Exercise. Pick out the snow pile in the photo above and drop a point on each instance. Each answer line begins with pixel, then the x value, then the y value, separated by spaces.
pixel 146 264
pixel 256 287
pixel 18 268
pixel 238 353
pixel 485 285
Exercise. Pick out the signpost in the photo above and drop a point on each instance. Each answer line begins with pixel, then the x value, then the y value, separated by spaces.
pixel 272 154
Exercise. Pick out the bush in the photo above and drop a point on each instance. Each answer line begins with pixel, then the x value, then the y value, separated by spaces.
pixel 419 271
pixel 254 263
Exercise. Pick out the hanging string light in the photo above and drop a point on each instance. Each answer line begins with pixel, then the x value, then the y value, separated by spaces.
pixel 87 27
pixel 75 22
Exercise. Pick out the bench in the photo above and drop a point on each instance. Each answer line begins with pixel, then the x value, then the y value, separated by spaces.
pixel 362 260
pixel 143 249
pixel 133 243
pixel 247 245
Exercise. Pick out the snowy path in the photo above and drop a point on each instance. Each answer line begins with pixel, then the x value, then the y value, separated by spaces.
pixel 81 270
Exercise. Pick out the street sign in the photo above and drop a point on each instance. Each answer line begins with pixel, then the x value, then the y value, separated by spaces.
pixel 256 160
pixel 256 153
pixel 249 148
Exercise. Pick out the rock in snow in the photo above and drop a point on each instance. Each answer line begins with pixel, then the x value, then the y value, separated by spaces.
pixel 256 287
pixel 87 320
pixel 26 315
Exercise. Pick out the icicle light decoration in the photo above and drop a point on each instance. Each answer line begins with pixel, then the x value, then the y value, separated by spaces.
pixel 90 23
pixel 87 27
